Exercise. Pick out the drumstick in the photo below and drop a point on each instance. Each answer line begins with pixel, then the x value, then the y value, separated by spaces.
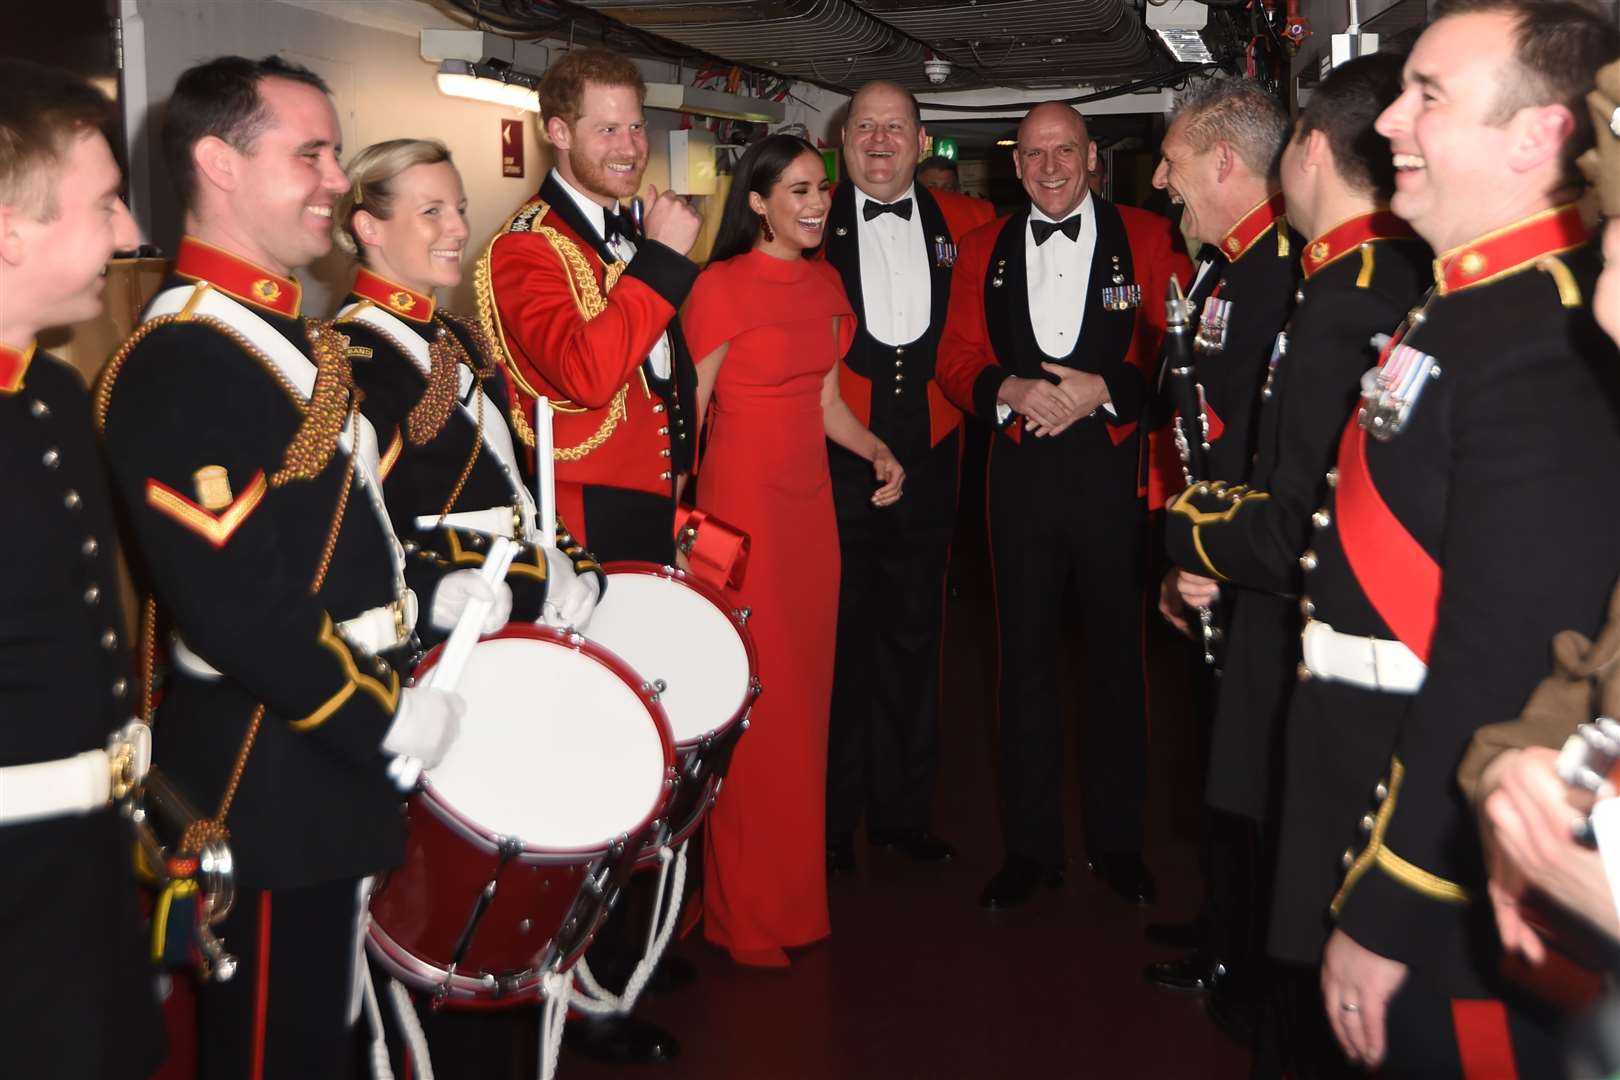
pixel 545 476
pixel 405 771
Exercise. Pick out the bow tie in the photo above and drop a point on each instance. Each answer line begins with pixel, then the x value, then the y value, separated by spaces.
pixel 873 208
pixel 1043 230
pixel 615 226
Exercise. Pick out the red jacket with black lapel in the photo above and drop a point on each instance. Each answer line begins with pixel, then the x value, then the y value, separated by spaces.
pixel 989 335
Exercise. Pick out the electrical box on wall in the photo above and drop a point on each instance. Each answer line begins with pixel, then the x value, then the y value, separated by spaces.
pixel 691 162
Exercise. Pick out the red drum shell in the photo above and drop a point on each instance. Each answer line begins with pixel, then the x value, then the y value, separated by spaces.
pixel 543 910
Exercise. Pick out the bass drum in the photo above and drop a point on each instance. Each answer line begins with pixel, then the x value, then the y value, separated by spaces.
pixel 697 654
pixel 520 839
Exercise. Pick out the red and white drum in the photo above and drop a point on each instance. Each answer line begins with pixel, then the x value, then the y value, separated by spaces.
pixel 520 838
pixel 697 653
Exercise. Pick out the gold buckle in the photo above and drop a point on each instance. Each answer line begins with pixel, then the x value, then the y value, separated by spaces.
pixel 121 765
pixel 397 608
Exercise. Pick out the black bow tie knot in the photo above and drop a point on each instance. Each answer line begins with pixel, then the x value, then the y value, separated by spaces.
pixel 873 208
pixel 616 226
pixel 1043 230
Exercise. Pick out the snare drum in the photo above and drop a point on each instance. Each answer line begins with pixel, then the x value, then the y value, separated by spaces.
pixel 697 654
pixel 521 837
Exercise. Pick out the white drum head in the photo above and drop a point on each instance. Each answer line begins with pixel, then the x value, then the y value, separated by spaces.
pixel 668 631
pixel 556 749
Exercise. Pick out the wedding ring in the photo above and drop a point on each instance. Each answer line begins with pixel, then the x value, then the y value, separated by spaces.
pixel 1350 1007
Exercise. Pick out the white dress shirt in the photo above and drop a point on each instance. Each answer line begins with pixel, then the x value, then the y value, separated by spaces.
pixel 896 281
pixel 1059 274
pixel 625 249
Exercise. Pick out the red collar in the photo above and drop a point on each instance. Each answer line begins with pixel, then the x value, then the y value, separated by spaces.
pixel 13 366
pixel 1251 227
pixel 234 275
pixel 1347 236
pixel 1505 250
pixel 393 297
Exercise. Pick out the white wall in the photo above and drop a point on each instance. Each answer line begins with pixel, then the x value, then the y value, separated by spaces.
pixel 383 89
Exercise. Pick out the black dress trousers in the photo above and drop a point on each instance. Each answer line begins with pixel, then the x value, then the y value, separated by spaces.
pixel 1066 508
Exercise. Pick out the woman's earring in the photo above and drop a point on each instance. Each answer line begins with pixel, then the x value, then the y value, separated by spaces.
pixel 765 227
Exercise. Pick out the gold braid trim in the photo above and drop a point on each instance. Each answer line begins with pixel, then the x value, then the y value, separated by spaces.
pixel 588 299
pixel 428 415
pixel 330 404
pixel 480 373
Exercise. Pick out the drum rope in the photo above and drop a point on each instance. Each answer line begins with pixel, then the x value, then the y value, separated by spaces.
pixel 380 1067
pixel 558 988
pixel 596 999
pixel 411 1025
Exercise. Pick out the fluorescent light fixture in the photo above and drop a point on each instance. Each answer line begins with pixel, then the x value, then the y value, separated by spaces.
pixel 689 99
pixel 488 82
pixel 1185 44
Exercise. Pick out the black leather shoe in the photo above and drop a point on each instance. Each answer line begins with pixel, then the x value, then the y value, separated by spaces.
pixel 1177 935
pixel 840 856
pixel 1196 973
pixel 1016 882
pixel 620 1040
pixel 918 844
pixel 673 972
pixel 1127 875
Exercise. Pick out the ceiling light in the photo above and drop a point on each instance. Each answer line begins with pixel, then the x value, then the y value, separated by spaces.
pixel 1006 142
pixel 1185 44
pixel 489 82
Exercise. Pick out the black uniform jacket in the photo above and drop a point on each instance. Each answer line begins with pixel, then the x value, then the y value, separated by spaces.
pixel 1359 279
pixel 1255 285
pixel 234 484
pixel 432 426
pixel 1497 535
pixel 80 998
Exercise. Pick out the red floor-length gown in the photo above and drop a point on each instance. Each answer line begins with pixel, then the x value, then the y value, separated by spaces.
pixel 764 469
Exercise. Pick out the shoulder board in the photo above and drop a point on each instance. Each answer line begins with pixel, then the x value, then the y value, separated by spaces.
pixel 529 215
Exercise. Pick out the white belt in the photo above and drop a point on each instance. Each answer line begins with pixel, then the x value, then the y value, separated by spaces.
pixel 370 632
pixel 1368 662
pixel 504 521
pixel 78 784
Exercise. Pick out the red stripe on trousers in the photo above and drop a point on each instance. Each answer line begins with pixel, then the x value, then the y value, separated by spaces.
pixel 261 987
pixel 1484 1044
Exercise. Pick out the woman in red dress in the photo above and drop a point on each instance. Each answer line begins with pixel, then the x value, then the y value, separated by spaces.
pixel 768 327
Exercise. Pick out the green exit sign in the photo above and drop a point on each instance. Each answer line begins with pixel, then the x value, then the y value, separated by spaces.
pixel 945 148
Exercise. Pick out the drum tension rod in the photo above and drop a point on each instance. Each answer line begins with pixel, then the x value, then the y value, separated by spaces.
pixel 486 896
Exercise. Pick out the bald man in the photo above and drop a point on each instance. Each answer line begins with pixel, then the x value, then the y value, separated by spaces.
pixel 1056 311
pixel 894 244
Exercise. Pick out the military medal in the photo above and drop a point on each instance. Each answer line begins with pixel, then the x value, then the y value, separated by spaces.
pixel 1212 324
pixel 944 252
pixel 1390 391
pixel 1121 297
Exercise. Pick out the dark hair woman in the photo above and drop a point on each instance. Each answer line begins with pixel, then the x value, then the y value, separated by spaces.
pixel 769 326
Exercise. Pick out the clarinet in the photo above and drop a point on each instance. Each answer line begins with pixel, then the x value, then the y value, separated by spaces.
pixel 1189 423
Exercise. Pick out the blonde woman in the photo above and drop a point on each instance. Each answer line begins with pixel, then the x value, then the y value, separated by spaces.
pixel 433 391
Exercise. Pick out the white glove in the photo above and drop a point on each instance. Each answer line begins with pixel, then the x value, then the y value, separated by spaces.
pixel 457 589
pixel 425 724
pixel 570 596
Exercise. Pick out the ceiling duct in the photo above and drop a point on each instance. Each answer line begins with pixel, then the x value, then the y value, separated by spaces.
pixel 844 43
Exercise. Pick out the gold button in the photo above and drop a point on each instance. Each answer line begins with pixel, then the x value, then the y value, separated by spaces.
pixel 1381 791
pixel 664 475
pixel 1302 672
pixel 1307 561
pixel 1333 477
pixel 1348 859
pixel 664 430
pixel 1321 519
pixel 658 407
pixel 1367 822
pixel 1306 608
